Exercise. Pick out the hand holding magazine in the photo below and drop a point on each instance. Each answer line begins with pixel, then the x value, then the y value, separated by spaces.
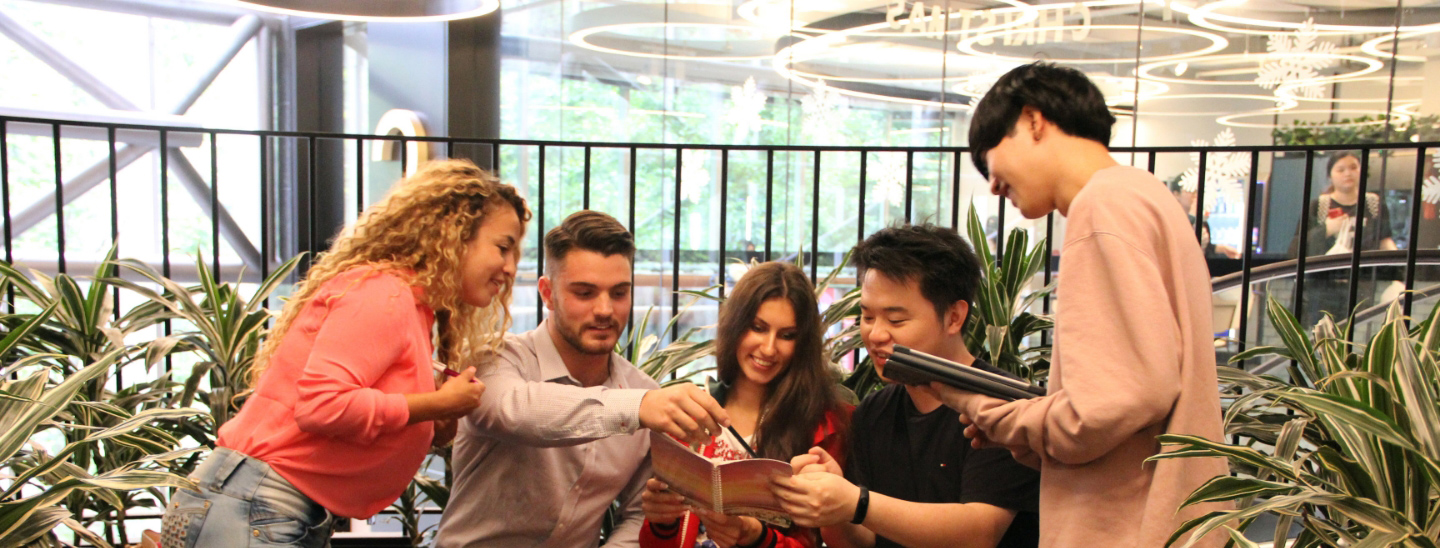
pixel 909 366
pixel 738 487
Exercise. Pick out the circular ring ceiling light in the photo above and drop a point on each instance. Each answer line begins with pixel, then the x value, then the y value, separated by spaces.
pixel 691 31
pixel 1395 117
pixel 1207 15
pixel 1372 47
pixel 1217 43
pixel 1149 71
pixel 376 10
pixel 1272 103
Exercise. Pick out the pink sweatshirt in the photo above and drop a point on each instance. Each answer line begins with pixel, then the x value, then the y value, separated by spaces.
pixel 330 413
pixel 1133 359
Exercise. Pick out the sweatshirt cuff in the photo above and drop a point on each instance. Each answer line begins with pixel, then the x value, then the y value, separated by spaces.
pixel 622 409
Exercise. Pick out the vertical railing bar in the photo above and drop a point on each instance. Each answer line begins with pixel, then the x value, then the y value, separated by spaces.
pixel 310 190
pixel 1000 228
pixel 359 176
pixel 1360 210
pixel 585 200
pixel 114 236
pixel 539 236
pixel 164 152
pixel 5 201
pixel 675 258
pixel 114 168
pixel 495 157
pixel 815 223
pixel 1049 271
pixel 215 207
pixel 450 150
pixel 630 322
pixel 860 216
pixel 955 193
pixel 1200 195
pixel 59 204
pixel 1414 244
pixel 1247 250
pixel 769 198
pixel 404 156
pixel 1303 254
pixel 264 213
pixel 909 182
pixel 724 199
pixel 1151 164
pixel 165 207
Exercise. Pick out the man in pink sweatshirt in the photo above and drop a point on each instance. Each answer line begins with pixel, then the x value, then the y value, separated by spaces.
pixel 1133 355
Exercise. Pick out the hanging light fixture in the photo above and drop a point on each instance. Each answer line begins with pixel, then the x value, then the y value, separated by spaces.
pixel 377 10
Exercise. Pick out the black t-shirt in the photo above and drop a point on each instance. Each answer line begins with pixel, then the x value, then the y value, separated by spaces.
pixel 902 453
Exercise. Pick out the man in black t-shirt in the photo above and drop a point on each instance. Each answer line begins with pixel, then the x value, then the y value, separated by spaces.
pixel 911 477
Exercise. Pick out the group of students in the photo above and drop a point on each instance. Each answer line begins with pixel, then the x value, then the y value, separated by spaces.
pixel 550 427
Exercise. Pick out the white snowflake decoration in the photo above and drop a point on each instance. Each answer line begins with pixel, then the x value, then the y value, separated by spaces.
pixel 890 178
pixel 746 104
pixel 1225 172
pixel 1430 192
pixel 1296 57
pixel 693 176
pixel 823 108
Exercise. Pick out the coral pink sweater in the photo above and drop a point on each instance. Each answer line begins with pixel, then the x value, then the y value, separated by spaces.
pixel 330 413
pixel 1133 359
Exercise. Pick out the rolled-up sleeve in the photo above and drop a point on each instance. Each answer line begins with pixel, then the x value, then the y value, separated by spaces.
pixel 359 339
pixel 1117 355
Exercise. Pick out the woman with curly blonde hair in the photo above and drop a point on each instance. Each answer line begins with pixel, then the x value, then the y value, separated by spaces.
pixel 344 404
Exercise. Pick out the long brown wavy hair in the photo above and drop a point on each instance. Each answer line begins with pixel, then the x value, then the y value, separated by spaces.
pixel 795 401
pixel 419 232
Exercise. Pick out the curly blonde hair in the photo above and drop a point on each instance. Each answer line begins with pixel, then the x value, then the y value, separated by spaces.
pixel 418 232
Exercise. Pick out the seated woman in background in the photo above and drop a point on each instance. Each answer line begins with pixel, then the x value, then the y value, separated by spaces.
pixel 1331 230
pixel 1332 216
pixel 776 385
pixel 345 405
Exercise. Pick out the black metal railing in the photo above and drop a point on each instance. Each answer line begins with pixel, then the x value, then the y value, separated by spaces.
pixel 298 184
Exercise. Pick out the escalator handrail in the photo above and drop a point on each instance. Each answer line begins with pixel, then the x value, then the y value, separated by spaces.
pixel 1322 263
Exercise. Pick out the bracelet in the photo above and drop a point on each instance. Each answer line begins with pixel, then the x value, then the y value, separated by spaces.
pixel 861 506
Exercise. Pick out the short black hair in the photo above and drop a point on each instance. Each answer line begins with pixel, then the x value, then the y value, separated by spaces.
pixel 589 230
pixel 937 257
pixel 1063 95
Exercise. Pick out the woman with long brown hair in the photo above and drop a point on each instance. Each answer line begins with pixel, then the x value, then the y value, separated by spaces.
pixel 344 404
pixel 776 385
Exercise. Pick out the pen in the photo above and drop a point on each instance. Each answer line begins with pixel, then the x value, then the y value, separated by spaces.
pixel 741 439
pixel 440 368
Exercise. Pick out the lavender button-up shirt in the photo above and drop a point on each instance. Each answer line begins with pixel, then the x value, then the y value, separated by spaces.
pixel 543 457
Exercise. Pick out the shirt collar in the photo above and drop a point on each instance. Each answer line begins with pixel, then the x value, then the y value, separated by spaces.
pixel 552 366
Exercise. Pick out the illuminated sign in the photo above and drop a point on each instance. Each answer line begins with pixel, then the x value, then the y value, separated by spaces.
pixel 1045 23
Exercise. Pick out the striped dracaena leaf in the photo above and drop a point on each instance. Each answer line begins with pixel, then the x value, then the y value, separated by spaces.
pixel 1193 446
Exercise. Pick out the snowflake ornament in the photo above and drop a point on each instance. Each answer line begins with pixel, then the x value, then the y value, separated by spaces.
pixel 1225 172
pixel 693 176
pixel 1296 57
pixel 824 108
pixel 890 178
pixel 1430 192
pixel 746 104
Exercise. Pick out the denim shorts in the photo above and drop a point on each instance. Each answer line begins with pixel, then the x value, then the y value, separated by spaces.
pixel 243 503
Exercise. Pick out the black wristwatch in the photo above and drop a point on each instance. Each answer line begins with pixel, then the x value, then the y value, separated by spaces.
pixel 861 506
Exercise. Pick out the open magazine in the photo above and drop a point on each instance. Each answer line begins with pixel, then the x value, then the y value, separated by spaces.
pixel 910 366
pixel 737 487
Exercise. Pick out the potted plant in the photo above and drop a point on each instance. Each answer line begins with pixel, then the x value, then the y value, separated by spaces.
pixel 1347 448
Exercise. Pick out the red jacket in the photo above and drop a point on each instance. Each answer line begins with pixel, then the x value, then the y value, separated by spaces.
pixel 684 533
